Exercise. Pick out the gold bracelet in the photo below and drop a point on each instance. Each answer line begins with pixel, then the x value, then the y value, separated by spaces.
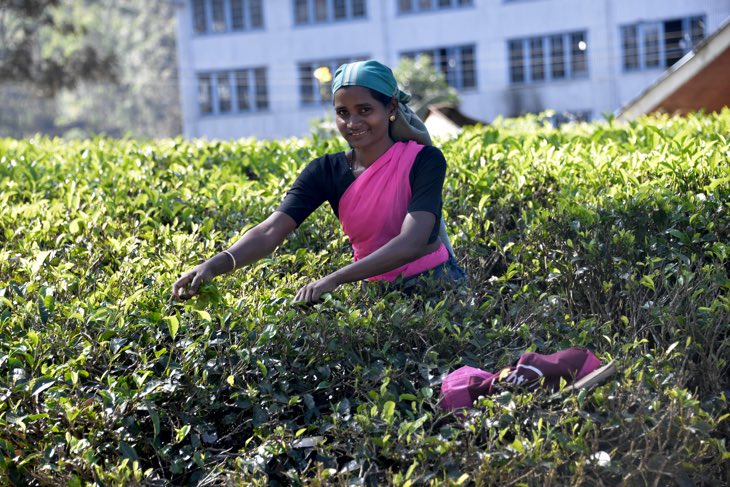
pixel 232 258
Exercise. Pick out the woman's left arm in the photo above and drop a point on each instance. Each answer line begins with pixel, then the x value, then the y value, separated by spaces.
pixel 409 245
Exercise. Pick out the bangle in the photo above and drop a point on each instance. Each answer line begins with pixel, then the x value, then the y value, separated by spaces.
pixel 232 258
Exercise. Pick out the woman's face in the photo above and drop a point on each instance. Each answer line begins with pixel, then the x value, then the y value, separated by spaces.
pixel 361 119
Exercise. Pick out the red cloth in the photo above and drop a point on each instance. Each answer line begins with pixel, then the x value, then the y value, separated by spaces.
pixel 373 208
pixel 463 386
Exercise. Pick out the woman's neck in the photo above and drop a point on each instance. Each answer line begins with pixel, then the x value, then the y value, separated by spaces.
pixel 365 157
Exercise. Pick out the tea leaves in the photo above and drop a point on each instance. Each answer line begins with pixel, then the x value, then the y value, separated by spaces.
pixel 614 237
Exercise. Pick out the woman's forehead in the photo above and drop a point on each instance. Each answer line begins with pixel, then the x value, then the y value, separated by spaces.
pixel 353 95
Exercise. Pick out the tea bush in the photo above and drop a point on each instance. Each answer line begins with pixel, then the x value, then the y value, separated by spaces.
pixel 614 237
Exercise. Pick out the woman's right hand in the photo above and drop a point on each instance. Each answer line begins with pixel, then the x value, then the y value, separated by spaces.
pixel 187 286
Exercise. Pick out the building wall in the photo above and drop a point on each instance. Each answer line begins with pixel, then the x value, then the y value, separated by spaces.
pixel 384 34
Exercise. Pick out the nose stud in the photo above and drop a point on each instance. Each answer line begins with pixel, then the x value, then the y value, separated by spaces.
pixel 392 118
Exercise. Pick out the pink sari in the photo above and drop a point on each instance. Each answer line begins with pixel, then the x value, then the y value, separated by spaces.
pixel 373 208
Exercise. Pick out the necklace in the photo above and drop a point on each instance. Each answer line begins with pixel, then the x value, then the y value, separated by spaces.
pixel 351 159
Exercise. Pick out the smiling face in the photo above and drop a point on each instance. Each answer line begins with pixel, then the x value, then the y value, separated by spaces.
pixel 361 119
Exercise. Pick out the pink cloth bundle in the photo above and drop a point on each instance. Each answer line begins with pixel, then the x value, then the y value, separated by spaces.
pixel 463 386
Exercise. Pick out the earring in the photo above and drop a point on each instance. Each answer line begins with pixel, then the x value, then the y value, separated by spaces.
pixel 392 118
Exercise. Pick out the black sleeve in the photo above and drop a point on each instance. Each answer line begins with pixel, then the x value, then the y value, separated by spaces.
pixel 306 194
pixel 427 181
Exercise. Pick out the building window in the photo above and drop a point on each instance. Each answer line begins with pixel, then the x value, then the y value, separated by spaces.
pixel 516 61
pixel 659 44
pixel 238 91
pixel 557 57
pixel 227 15
pixel 256 14
pixel 205 93
pixel 358 8
pixel 411 6
pixel 548 58
pixel 651 47
pixel 578 48
pixel 630 42
pixel 340 9
pixel 218 14
pixel 320 11
pixel 313 91
pixel 458 64
pixel 246 15
pixel 243 91
pixel 223 85
pixel 262 90
pixel 537 58
pixel 200 22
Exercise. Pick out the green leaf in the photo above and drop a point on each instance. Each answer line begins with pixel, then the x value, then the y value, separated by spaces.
pixel 517 445
pixel 39 260
pixel 127 450
pixel 41 384
pixel 671 347
pixel 173 325
pixel 647 281
pixel 204 314
pixel 155 417
pixel 33 338
pixel 388 410
pixel 181 433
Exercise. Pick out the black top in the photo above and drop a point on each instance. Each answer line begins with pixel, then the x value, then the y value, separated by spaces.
pixel 326 179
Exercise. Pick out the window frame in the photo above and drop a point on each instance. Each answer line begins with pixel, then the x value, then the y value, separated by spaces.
pixel 454 77
pixel 231 79
pixel 330 13
pixel 228 24
pixel 332 64
pixel 435 6
pixel 567 61
pixel 194 10
pixel 642 30
pixel 209 80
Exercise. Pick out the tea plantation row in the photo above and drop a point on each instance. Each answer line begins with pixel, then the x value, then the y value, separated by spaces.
pixel 613 237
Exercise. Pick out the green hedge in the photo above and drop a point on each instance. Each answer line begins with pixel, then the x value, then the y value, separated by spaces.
pixel 614 237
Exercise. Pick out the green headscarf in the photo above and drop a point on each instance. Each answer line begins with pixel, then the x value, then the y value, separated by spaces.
pixel 379 77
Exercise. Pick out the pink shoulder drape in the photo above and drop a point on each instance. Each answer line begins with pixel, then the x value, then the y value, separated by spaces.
pixel 373 208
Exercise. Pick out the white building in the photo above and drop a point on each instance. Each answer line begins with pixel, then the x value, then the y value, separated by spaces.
pixel 246 66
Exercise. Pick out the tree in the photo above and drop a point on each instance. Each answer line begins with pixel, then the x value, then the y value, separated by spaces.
pixel 425 84
pixel 133 92
pixel 144 101
pixel 50 45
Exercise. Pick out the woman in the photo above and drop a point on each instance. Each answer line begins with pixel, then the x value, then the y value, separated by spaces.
pixel 386 193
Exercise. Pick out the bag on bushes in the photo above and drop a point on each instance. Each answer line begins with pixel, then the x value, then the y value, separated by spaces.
pixel 463 386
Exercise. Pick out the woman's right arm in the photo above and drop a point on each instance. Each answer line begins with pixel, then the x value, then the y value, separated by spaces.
pixel 255 244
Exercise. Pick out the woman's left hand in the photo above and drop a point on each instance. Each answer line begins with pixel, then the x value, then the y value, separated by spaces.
pixel 312 292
